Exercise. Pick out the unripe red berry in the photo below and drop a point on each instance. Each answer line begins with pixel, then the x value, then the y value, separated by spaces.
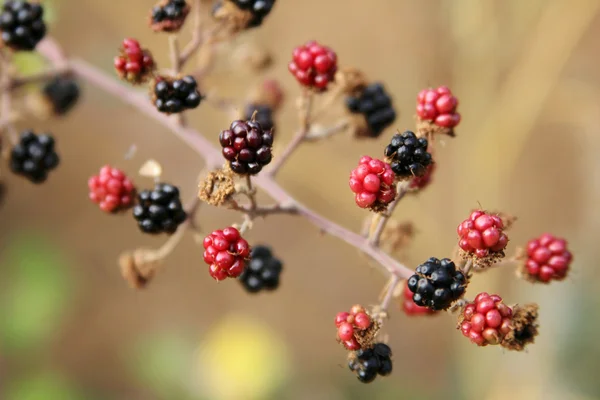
pixel 134 64
pixel 486 320
pixel 111 190
pixel 439 106
pixel 482 234
pixel 373 184
pixel 547 259
pixel 226 253
pixel 348 324
pixel 313 65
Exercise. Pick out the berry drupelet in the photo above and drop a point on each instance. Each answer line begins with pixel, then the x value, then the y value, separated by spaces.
pixel 438 106
pixel 313 65
pixel 264 116
pixel 547 259
pixel 486 320
pixel 22 25
pixel 262 272
pixel 373 184
pixel 34 156
pixel 226 253
pixel 437 284
pixel 134 64
pixel 111 190
pixel 247 147
pixel 173 96
pixel 421 182
pixel 159 210
pixel 481 235
pixel 410 307
pixel 257 9
pixel 351 325
pixel 368 363
pixel 169 15
pixel 408 155
pixel 375 105
pixel 62 92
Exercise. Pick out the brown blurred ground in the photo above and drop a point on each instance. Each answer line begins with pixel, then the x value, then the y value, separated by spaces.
pixel 527 76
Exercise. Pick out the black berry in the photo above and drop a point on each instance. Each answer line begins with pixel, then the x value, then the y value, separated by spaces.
pixel 22 25
pixel 264 115
pixel 169 15
pixel 262 271
pixel 247 147
pixel 34 156
pixel 375 105
pixel 63 93
pixel 437 284
pixel 175 96
pixel 408 155
pixel 368 363
pixel 159 210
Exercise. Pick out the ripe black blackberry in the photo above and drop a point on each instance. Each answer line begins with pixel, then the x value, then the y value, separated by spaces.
pixel 22 25
pixel 262 271
pixel 246 146
pixel 159 210
pixel 437 284
pixel 408 155
pixel 169 15
pixel 376 106
pixel 259 9
pixel 264 115
pixel 367 363
pixel 177 95
pixel 34 156
pixel 62 92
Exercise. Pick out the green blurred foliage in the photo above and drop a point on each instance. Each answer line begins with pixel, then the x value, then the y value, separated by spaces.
pixel 43 386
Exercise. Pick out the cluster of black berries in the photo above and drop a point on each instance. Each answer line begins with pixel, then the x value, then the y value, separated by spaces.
pixel 376 106
pixel 159 210
pixel 408 155
pixel 437 284
pixel 169 15
pixel 34 156
pixel 246 146
pixel 22 25
pixel 367 363
pixel 258 8
pixel 264 115
pixel 177 95
pixel 63 93
pixel 262 271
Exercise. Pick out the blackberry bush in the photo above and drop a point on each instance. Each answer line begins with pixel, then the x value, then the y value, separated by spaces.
pixel 22 24
pixel 159 210
pixel 34 156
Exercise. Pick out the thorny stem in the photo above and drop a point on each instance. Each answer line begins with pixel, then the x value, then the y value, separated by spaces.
pixel 384 218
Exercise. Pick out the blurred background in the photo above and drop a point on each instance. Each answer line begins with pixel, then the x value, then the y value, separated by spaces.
pixel 527 76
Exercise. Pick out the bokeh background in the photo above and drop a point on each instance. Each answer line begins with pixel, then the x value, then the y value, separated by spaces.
pixel 527 76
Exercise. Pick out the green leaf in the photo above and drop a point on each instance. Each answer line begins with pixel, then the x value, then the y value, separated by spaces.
pixel 44 386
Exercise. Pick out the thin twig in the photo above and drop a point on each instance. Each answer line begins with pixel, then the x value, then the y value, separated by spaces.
pixel 383 219
pixel 389 294
pixel 263 211
pixel 339 127
pixel 6 101
pixel 43 76
pixel 467 268
pixel 197 37
pixel 176 66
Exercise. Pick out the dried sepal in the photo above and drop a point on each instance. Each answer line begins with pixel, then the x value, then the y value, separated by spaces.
pixel 351 80
pixel 235 18
pixel 138 267
pixel 524 327
pixel 397 236
pixel 428 129
pixel 218 187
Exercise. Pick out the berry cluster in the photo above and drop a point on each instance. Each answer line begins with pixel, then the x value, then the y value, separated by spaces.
pixel 421 182
pixel 373 183
pixel 159 210
pixel 408 155
pixel 34 156
pixel 313 65
pixel 263 114
pixel 438 105
pixel 111 189
pixel 437 284
pixel 22 25
pixel 350 325
pixel 486 320
pixel 376 107
pixel 62 92
pixel 247 146
pixel 367 363
pixel 409 306
pixel 226 252
pixel 169 15
pixel 258 8
pixel 547 258
pixel 177 95
pixel 482 235
pixel 263 270
pixel 134 64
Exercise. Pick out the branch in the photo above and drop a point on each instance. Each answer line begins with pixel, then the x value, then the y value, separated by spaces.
pixel 383 219
pixel 197 37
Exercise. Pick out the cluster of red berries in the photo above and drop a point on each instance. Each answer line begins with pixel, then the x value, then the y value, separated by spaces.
pixel 348 324
pixel 373 183
pixel 481 234
pixel 134 64
pixel 486 320
pixel 111 190
pixel 313 65
pixel 547 258
pixel 226 252
pixel 409 306
pixel 438 105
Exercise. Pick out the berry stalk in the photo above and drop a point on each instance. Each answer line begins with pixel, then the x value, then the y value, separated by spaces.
pixel 383 219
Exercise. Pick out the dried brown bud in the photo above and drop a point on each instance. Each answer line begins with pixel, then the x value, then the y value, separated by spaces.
pixel 351 80
pixel 138 267
pixel 397 236
pixel 218 187
pixel 524 327
pixel 236 18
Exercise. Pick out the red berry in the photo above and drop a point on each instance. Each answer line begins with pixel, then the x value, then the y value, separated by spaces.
pixel 481 234
pixel 313 65
pixel 362 321
pixel 547 258
pixel 345 331
pixel 486 320
pixel 134 63
pixel 348 323
pixel 226 253
pixel 439 106
pixel 111 189
pixel 373 183
pixel 341 317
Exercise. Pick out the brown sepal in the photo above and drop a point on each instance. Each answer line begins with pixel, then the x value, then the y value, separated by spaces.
pixel 218 187
pixel 524 327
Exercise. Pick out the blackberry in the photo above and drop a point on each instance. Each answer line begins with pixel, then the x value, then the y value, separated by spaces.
pixel 63 93
pixel 264 115
pixel 175 96
pixel 258 8
pixel 34 156
pixel 408 155
pixel 159 210
pixel 437 284
pixel 169 15
pixel 246 146
pixel 22 25
pixel 262 271
pixel 367 363
pixel 376 106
